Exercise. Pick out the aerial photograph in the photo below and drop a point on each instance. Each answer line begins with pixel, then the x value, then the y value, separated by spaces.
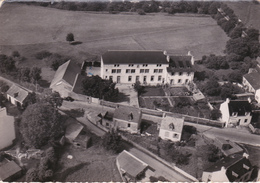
pixel 129 91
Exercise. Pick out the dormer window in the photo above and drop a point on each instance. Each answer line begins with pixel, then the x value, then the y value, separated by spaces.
pixel 246 113
pixel 246 167
pixel 234 174
pixel 234 114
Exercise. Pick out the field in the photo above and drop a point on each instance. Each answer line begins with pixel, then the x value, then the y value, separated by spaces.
pixel 247 11
pixel 30 29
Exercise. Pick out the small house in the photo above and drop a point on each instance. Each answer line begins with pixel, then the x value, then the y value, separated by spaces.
pixel 235 168
pixel 227 147
pixel 130 167
pixel 127 118
pixel 75 135
pixel 7 129
pixel 17 95
pixel 171 128
pixel 10 171
pixel 236 112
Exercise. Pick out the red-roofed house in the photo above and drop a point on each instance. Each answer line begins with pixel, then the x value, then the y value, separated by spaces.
pixel 127 118
pixel 236 168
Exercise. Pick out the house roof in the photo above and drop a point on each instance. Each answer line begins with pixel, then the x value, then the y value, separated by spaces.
pixel 180 64
pixel 77 86
pixel 127 113
pixel 6 127
pixel 172 124
pixel 130 164
pixel 8 169
pixel 134 57
pixel 18 93
pixel 231 163
pixel 227 147
pixel 254 79
pixel 67 72
pixel 241 107
pixel 73 130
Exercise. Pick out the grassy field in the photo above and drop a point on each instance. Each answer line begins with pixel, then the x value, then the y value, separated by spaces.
pixel 247 11
pixel 30 29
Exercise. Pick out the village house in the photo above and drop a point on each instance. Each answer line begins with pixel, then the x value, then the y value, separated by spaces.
pixel 130 167
pixel 236 112
pixel 127 118
pixel 227 147
pixel 7 129
pixel 17 95
pixel 171 128
pixel 9 171
pixel 251 82
pixel 147 67
pixel 235 168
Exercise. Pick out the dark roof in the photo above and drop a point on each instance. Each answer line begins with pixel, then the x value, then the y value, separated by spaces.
pixel 8 169
pixel 180 64
pixel 134 57
pixel 227 147
pixel 241 107
pixel 254 79
pixel 77 87
pixel 67 72
pixel 127 113
pixel 18 93
pixel 130 164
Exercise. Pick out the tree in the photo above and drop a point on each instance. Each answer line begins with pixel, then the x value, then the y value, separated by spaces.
pixel 212 87
pixel 24 74
pixel 236 32
pixel 70 37
pixel 35 74
pixel 215 114
pixel 213 8
pixel 32 175
pixel 138 88
pixel 53 98
pixel 40 123
pixel 112 141
pixel 97 87
pixel 235 77
pixel 16 54
pixel 238 46
pixel 30 99
pixel 7 64
pixel 4 86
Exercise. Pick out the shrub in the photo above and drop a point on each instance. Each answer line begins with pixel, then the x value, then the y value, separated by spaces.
pixel 16 54
pixel 70 37
pixel 42 54
pixel 32 175
pixel 140 12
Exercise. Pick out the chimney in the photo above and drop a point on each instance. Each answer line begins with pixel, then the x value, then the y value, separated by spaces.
pixel 165 52
pixel 223 169
pixel 228 100
pixel 130 116
pixel 168 58
pixel 245 155
pixel 249 100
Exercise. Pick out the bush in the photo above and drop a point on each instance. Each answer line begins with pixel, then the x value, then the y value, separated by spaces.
pixel 140 12
pixel 16 54
pixel 42 54
pixel 70 37
pixel 32 175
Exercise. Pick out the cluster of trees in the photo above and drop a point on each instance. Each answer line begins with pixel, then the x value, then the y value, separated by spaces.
pixel 28 74
pixel 44 172
pixel 215 62
pixel 112 141
pixel 100 88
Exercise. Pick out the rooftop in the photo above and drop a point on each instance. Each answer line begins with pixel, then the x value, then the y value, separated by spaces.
pixel 130 164
pixel 18 93
pixel 241 107
pixel 67 72
pixel 227 147
pixel 8 169
pixel 128 113
pixel 172 123
pixel 73 130
pixel 254 79
pixel 180 63
pixel 77 86
pixel 134 57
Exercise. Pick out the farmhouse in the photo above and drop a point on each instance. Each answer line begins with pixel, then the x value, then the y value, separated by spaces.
pixel 17 95
pixel 171 128
pixel 147 67
pixel 236 112
pixel 7 129
pixel 130 167
pixel 236 168
pixel 127 118
pixel 251 82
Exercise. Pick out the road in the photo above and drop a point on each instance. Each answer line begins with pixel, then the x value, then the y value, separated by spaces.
pixel 160 168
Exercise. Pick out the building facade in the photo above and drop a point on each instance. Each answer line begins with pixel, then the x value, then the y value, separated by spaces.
pixel 147 67
pixel 236 113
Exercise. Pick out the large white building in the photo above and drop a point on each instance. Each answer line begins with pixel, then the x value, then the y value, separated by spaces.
pixel 147 67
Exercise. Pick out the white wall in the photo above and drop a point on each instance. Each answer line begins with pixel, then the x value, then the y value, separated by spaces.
pixel 176 79
pixel 7 131
pixel 171 135
pixel 257 95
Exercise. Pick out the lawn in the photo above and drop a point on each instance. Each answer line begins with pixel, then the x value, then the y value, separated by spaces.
pixel 153 91
pixel 30 29
pixel 176 91
pixel 156 103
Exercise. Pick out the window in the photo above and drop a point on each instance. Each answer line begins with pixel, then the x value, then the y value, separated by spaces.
pixel 245 120
pixel 145 65
pixel 132 70
pixel 106 70
pixel 245 167
pixel 188 73
pixel 180 73
pixel 129 78
pixel 175 135
pixel 118 71
pixel 173 73
pixel 234 114
pixel 160 70
pixel 111 78
pixel 179 81
pixel 234 174
pixel 186 81
pixel 152 78
pixel 155 71
pixel 116 65
pixel 137 78
pixel 159 65
pixel 128 125
pixel 159 78
pixel 166 134
pixel 127 71
pixel 141 70
pixel 144 78
pixel 107 124
pixel 131 65
pixel 146 70
pixel 106 77
pixel 113 70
